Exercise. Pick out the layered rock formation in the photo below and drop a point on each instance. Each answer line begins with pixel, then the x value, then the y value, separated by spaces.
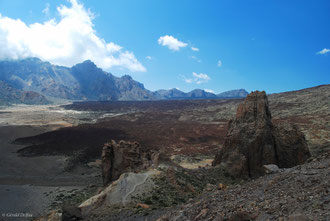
pixel 118 158
pixel 253 141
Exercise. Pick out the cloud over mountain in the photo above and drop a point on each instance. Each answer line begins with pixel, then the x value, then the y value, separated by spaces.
pixel 66 42
pixel 197 78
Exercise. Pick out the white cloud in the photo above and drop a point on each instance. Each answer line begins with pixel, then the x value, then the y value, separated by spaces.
pixel 194 49
pixel 171 42
pixel 66 42
pixel 148 57
pixel 197 78
pixel 196 59
pixel 219 64
pixel 46 9
pixel 209 90
pixel 201 78
pixel 324 51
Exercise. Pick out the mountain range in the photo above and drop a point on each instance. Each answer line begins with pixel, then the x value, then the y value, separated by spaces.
pixel 84 81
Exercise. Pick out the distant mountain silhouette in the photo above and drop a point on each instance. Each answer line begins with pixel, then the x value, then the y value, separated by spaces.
pixel 85 81
pixel 233 94
pixel 174 94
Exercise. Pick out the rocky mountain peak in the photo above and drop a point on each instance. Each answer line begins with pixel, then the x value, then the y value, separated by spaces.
pixel 238 93
pixel 126 77
pixel 254 108
pixel 86 65
pixel 32 60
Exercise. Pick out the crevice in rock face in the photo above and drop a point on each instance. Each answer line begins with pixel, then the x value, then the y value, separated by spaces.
pixel 255 109
pixel 275 151
pixel 261 158
pixel 248 163
pixel 112 159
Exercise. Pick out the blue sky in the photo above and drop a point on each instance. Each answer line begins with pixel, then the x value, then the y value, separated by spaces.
pixel 274 45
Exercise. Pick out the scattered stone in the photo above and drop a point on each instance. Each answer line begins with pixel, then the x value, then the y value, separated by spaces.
pixel 209 187
pixel 278 196
pixel 271 168
pixel 222 186
pixel 202 214
pixel 241 216
pixel 164 218
pixel 142 205
pixel 298 217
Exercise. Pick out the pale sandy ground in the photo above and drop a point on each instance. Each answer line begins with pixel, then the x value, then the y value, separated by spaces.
pixel 29 184
pixel 52 116
pixel 202 163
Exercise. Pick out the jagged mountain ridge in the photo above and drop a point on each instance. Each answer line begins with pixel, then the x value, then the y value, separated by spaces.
pixel 233 94
pixel 175 94
pixel 85 81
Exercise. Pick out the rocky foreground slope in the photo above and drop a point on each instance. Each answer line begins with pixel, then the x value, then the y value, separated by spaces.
pixel 299 193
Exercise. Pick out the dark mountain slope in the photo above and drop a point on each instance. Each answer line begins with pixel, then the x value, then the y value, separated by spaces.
pixel 83 81
pixel 10 95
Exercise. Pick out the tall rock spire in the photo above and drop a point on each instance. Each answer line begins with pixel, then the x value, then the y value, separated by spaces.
pixel 253 141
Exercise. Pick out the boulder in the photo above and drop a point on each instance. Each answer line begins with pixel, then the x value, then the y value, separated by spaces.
pixel 122 192
pixel 271 168
pixel 253 141
pixel 121 157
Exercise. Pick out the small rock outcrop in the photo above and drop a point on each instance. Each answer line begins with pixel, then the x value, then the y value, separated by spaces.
pixel 124 191
pixel 253 141
pixel 121 157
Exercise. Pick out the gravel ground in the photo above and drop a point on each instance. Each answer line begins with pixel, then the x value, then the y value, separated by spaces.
pixel 298 193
